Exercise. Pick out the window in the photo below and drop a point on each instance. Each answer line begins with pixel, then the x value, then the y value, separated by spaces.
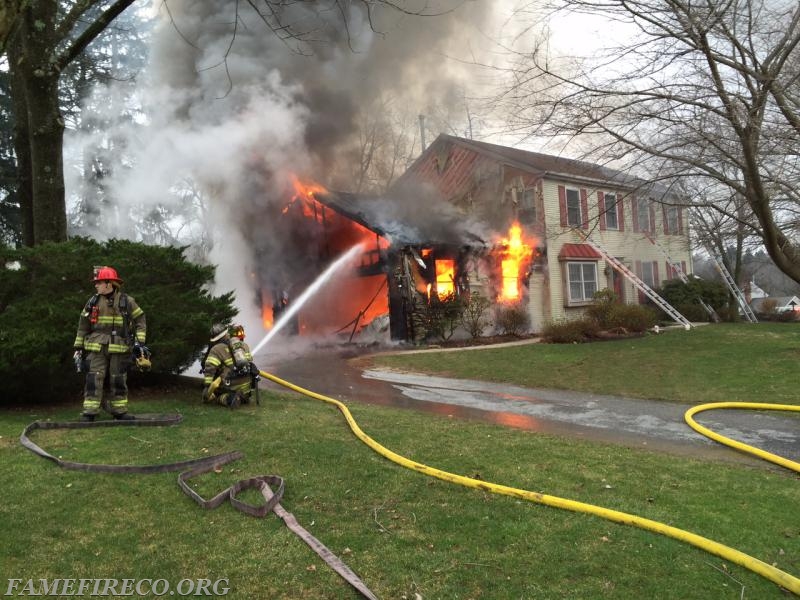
pixel 671 218
pixel 582 281
pixel 574 208
pixel 647 274
pixel 527 207
pixel 612 213
pixel 643 217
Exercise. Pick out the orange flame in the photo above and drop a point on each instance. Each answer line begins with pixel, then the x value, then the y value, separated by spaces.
pixel 445 277
pixel 266 316
pixel 355 289
pixel 304 191
pixel 514 258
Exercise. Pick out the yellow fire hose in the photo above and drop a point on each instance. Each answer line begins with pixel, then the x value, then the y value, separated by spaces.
pixel 778 460
pixel 781 578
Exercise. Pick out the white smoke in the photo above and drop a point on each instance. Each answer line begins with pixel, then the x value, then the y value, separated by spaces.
pixel 232 110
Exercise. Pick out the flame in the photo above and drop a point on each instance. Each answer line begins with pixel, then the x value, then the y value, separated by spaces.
pixel 266 316
pixel 445 277
pixel 326 234
pixel 514 259
pixel 304 191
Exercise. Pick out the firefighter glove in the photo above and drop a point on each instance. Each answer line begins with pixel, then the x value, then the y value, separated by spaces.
pixel 141 356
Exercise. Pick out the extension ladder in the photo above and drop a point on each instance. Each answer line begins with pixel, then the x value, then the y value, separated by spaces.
pixel 676 266
pixel 726 276
pixel 637 282
pixel 737 293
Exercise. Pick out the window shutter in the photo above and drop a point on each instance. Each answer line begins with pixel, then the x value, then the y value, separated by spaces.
pixel 656 282
pixel 666 219
pixel 635 214
pixel 638 266
pixel 680 220
pixel 584 209
pixel 651 226
pixel 562 204
pixel 683 267
pixel 620 213
pixel 670 270
pixel 601 207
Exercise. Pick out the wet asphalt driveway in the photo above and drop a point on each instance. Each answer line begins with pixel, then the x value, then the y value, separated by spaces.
pixel 655 425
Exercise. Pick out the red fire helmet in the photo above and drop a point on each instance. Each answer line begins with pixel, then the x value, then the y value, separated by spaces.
pixel 106 274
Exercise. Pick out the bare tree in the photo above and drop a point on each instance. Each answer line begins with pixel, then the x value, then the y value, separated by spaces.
pixel 41 38
pixel 385 143
pixel 703 92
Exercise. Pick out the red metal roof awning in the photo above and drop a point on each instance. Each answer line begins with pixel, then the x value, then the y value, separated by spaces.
pixel 579 251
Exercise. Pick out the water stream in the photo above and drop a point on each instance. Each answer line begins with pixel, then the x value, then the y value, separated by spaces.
pixel 297 304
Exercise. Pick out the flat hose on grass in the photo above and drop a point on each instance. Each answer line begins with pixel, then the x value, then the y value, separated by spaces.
pixel 193 468
pixel 781 578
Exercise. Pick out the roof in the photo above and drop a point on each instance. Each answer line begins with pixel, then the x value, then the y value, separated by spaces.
pixel 418 221
pixel 452 164
pixel 582 251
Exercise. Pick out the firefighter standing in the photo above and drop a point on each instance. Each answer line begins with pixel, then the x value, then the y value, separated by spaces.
pixel 229 375
pixel 110 327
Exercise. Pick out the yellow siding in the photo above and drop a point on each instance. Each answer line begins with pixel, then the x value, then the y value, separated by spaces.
pixel 627 246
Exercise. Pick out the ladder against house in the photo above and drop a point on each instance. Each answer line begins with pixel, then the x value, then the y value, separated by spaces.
pixel 637 283
pixel 734 289
pixel 676 266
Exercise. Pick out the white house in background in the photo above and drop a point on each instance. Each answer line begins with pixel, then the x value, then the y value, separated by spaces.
pixel 753 292
pixel 779 304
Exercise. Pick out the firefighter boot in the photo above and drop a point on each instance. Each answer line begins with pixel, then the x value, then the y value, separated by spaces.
pixel 234 400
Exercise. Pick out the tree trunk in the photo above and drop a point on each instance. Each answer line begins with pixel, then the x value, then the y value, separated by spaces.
pixel 9 15
pixel 22 147
pixel 41 167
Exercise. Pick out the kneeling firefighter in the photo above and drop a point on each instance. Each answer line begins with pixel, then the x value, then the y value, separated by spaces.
pixel 111 327
pixel 229 374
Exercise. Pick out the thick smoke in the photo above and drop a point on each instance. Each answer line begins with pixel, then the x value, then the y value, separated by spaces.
pixel 234 109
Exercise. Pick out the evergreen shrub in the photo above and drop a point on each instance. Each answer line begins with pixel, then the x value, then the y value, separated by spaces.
pixel 44 288
pixel 685 295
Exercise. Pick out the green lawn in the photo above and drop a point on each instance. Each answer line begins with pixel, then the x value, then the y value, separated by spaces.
pixel 716 363
pixel 404 533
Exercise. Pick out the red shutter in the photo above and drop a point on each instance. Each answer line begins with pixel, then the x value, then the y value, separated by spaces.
pixel 584 209
pixel 651 226
pixel 601 207
pixel 683 267
pixel 680 221
pixel 620 213
pixel 562 204
pixel 666 219
pixel 670 270
pixel 655 274
pixel 638 270
pixel 635 213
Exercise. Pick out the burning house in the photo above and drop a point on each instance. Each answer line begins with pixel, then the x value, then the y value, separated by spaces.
pixel 537 233
pixel 583 221
pixel 414 251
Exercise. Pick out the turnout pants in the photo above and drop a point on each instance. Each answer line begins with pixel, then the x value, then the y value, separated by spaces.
pixel 115 366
